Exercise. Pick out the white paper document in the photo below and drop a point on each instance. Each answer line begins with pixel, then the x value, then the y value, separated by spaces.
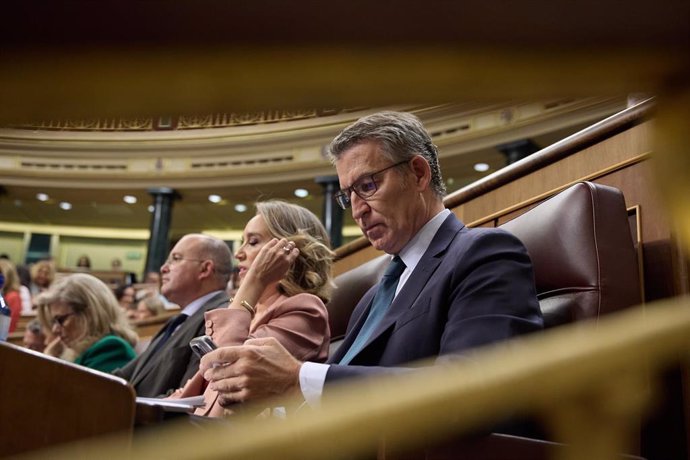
pixel 174 405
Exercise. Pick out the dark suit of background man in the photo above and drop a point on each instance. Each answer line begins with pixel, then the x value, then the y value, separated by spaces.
pixel 194 277
pixel 461 288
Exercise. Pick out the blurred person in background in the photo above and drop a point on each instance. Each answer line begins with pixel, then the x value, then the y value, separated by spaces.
pixel 125 295
pixel 116 265
pixel 128 277
pixel 24 274
pixel 10 291
pixel 149 307
pixel 89 326
pixel 84 262
pixel 152 282
pixel 42 275
pixel 153 277
pixel 34 336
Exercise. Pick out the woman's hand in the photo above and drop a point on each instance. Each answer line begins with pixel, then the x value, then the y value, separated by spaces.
pixel 273 261
pixel 55 348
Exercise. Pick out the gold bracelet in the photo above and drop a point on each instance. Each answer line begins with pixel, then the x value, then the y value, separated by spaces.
pixel 250 309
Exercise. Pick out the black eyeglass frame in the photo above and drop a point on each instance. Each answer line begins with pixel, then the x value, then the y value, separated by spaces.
pixel 342 196
pixel 174 259
pixel 60 319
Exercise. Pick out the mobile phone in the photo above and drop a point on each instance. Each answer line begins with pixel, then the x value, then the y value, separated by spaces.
pixel 202 345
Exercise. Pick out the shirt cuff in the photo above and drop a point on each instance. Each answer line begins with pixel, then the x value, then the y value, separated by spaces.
pixel 312 377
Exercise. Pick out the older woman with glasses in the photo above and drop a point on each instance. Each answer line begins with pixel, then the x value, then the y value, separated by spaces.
pixel 89 326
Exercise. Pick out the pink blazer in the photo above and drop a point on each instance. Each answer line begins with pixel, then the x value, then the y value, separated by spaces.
pixel 299 323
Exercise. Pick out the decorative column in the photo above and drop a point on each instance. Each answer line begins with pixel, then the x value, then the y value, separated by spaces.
pixel 332 213
pixel 163 198
pixel 517 150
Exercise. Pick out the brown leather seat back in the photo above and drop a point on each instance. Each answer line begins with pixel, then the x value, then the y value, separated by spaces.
pixel 585 263
pixel 584 260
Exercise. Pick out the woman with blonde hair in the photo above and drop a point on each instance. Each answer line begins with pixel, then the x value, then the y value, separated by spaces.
pixel 11 292
pixel 89 326
pixel 42 276
pixel 285 280
pixel 148 307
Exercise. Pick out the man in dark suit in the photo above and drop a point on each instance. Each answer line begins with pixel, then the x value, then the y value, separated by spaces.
pixel 452 288
pixel 194 277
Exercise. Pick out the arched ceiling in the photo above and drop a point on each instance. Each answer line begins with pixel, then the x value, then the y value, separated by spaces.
pixel 136 60
pixel 93 164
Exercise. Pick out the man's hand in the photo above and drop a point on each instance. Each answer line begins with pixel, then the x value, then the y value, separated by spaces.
pixel 261 368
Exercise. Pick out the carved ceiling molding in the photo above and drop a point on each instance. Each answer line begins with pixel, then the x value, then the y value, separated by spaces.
pixel 182 122
pixel 264 152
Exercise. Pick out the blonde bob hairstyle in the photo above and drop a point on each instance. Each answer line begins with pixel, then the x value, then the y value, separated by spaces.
pixel 43 264
pixel 95 306
pixel 311 271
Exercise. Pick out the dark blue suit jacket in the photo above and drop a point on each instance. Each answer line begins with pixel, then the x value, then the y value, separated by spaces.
pixel 472 287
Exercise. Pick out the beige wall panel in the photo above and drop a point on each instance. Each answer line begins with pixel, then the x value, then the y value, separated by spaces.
pixel 12 244
pixel 101 251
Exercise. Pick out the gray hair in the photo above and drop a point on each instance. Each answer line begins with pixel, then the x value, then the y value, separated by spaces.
pixel 34 326
pixel 401 136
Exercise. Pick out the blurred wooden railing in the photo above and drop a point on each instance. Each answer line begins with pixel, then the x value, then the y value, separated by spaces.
pixel 589 382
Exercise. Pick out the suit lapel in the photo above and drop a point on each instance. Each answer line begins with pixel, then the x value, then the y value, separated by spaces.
pixel 146 355
pixel 419 278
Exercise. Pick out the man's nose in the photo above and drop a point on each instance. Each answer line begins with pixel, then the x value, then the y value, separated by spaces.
pixel 359 206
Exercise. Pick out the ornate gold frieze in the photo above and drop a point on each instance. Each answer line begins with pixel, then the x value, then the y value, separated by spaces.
pixel 135 124
pixel 184 122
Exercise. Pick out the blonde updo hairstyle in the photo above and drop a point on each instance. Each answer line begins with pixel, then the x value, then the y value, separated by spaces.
pixel 95 306
pixel 311 271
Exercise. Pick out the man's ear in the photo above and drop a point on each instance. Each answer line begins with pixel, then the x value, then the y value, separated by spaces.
pixel 421 171
pixel 207 269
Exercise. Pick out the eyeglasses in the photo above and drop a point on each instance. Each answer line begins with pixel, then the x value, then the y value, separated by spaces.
pixel 175 259
pixel 60 319
pixel 364 187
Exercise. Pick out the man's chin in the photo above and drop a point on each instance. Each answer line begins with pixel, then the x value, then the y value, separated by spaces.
pixel 381 245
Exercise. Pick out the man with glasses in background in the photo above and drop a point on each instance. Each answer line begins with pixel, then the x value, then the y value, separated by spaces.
pixel 448 288
pixel 194 277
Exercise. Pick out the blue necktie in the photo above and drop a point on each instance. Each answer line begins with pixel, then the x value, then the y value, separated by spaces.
pixel 382 299
pixel 169 329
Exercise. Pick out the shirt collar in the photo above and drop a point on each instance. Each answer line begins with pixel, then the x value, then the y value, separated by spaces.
pixel 195 305
pixel 417 246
